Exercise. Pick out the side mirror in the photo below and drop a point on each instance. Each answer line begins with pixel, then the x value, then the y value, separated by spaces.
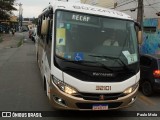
pixel 44 27
pixel 139 31
pixel 140 37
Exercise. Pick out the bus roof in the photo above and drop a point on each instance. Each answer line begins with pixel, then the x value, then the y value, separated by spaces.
pixel 84 8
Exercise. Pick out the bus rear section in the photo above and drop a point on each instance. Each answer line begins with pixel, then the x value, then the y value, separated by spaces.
pixel 85 73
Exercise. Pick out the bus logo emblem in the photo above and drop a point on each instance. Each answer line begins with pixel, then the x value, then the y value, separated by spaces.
pixel 101 97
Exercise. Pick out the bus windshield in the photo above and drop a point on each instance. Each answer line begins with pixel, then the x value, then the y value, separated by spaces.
pixel 91 38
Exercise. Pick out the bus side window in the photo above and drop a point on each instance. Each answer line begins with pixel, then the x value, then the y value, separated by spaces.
pixel 39 27
pixel 43 37
pixel 49 42
pixel 49 35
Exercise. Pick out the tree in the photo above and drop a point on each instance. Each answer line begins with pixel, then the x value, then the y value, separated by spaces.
pixel 6 8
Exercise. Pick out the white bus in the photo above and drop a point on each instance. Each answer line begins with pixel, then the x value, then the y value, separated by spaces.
pixel 79 71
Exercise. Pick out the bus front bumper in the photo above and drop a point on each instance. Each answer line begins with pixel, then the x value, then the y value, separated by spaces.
pixel 63 101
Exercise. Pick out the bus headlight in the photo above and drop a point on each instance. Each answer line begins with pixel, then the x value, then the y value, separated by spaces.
pixel 131 89
pixel 63 86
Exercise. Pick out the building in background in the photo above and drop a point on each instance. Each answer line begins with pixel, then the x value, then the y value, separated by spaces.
pixel 6 25
pixel 151 36
pixel 151 22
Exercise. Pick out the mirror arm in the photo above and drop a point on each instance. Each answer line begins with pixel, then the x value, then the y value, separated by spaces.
pixel 138 25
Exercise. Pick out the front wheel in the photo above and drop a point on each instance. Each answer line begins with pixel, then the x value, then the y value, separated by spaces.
pixel 147 89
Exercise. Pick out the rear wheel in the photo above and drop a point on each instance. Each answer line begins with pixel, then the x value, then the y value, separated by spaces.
pixel 45 86
pixel 147 89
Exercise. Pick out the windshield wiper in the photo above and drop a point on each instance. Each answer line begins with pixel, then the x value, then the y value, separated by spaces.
pixel 103 56
pixel 111 57
pixel 83 62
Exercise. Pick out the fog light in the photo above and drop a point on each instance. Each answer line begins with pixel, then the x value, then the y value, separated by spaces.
pixel 59 100
pixel 132 100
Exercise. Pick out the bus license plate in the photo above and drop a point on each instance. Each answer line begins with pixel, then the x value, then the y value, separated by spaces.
pixel 100 107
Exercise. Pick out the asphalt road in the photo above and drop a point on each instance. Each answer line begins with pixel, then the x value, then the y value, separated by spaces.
pixel 21 89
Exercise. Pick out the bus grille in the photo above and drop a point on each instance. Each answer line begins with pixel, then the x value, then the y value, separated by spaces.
pixel 92 96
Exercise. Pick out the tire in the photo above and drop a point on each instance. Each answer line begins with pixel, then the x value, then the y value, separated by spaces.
pixel 45 86
pixel 147 88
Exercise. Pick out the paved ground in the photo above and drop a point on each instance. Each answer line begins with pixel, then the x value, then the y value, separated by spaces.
pixel 11 41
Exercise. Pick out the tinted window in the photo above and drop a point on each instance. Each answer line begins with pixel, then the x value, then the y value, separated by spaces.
pixel 145 61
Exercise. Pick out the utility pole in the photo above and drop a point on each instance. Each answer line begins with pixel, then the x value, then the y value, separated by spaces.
pixel 140 12
pixel 140 19
pixel 20 15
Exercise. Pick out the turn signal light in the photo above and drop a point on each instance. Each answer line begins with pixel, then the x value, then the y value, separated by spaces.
pixel 156 73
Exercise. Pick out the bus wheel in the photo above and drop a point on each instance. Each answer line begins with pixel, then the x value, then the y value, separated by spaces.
pixel 45 86
pixel 147 89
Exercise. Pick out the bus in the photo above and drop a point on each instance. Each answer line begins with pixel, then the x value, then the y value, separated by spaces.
pixel 79 72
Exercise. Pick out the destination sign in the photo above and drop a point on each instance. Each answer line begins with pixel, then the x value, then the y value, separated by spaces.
pixel 82 18
pixel 79 18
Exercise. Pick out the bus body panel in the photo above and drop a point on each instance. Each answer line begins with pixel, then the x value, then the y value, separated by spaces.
pixel 40 61
pixel 76 103
pixel 90 87
pixel 87 87
pixel 84 8
pixel 46 70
